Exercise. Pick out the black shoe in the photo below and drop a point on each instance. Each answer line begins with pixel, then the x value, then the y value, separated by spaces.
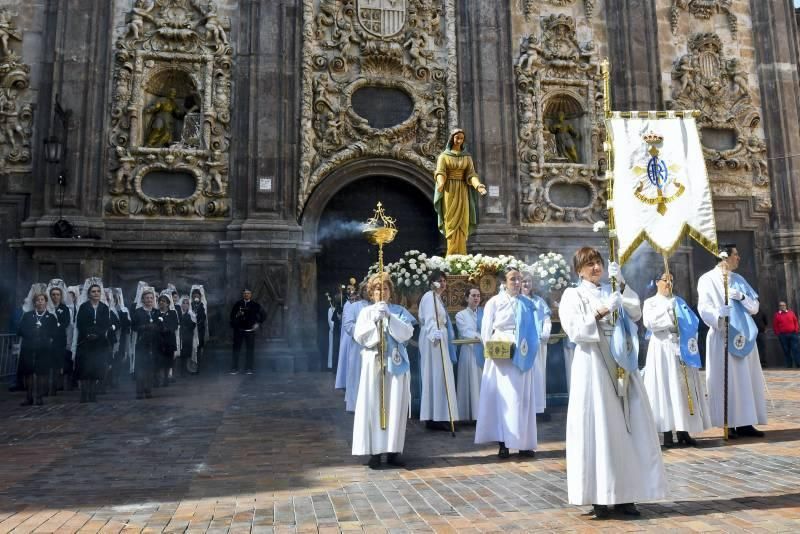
pixel 394 458
pixel 629 508
pixel 148 395
pixel 139 397
pixel 601 511
pixel 750 431
pixel 685 439
pixel 502 452
pixel 668 440
pixel 732 433
pixel 39 402
pixel 26 402
pixel 374 461
pixel 234 371
pixel 527 454
pixel 249 372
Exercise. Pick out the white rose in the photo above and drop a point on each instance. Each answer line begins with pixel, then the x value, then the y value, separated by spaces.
pixel 414 276
pixel 552 270
pixel 416 282
pixel 422 256
pixel 551 281
pixel 422 267
pixel 408 283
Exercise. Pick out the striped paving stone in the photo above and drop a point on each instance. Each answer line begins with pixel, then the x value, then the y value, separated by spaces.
pixel 270 453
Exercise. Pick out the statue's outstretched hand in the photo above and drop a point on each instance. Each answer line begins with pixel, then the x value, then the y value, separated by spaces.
pixel 481 189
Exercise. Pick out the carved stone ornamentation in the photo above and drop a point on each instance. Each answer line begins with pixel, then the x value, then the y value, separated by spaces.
pixel 171 112
pixel 561 130
pixel 16 111
pixel 359 52
pixel 703 9
pixel 717 86
pixel 529 6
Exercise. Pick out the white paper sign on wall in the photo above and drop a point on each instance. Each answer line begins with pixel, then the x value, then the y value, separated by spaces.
pixel 265 184
pixel 494 191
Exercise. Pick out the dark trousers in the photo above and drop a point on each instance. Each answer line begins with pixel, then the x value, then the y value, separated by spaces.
pixel 791 350
pixel 249 339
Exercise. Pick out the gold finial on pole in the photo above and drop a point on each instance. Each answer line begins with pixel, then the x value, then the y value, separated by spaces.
pixel 380 230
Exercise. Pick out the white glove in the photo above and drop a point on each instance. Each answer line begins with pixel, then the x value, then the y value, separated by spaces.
pixel 381 311
pixel 614 271
pixel 614 301
pixel 724 311
pixel 735 294
pixel 161 319
pixel 436 336
pixel 113 328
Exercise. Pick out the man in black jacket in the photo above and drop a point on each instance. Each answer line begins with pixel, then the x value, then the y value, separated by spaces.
pixel 246 317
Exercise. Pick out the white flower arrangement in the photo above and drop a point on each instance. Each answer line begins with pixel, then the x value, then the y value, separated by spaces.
pixel 410 272
pixel 552 271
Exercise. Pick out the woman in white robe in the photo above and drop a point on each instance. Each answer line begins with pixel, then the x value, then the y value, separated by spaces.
pixel 747 404
pixel 353 348
pixel 507 409
pixel 435 375
pixel 344 345
pixel 368 437
pixel 470 357
pixel 613 450
pixel 666 375
pixel 540 367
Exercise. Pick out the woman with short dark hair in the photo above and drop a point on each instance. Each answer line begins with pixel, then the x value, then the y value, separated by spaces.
pixel 613 452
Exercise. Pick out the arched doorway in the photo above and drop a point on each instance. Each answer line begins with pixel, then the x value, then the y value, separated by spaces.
pixel 347 197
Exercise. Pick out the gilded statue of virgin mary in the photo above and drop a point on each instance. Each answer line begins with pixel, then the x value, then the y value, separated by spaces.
pixel 456 196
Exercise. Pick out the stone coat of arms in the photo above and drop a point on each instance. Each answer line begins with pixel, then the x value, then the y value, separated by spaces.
pixel 382 18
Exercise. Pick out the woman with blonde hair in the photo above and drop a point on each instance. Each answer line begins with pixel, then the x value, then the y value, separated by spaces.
pixel 393 325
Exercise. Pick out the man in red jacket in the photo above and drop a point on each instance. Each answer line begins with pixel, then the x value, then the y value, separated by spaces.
pixel 786 327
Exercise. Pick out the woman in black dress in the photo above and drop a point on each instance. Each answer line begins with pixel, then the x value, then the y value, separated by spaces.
pixel 167 343
pixel 37 329
pixel 57 290
pixel 145 325
pixel 91 328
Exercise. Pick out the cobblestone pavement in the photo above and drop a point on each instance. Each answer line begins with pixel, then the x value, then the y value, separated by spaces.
pixel 270 453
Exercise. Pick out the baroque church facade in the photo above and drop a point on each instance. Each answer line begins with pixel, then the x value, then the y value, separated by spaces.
pixel 227 142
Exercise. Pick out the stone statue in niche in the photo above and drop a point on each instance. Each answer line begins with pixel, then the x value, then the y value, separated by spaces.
pixel 167 115
pixel 565 138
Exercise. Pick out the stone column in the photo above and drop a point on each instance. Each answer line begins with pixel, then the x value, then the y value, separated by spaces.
pixel 775 38
pixel 632 31
pixel 486 105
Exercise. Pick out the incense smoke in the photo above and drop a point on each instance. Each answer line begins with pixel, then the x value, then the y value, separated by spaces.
pixel 339 229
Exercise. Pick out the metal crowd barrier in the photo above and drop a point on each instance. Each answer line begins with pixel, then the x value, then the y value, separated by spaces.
pixel 9 353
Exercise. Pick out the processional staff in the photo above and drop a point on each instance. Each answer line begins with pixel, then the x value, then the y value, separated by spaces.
pixel 380 230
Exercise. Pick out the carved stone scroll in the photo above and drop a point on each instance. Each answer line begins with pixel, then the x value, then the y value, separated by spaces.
pixel 379 45
pixel 703 9
pixel 529 6
pixel 560 118
pixel 171 110
pixel 716 85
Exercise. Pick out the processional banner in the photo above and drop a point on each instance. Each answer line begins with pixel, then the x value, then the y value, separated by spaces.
pixel 660 184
